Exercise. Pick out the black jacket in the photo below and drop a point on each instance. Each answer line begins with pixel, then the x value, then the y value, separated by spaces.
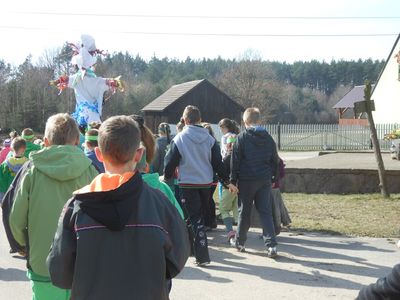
pixel 161 149
pixel 254 156
pixel 118 244
pixel 386 288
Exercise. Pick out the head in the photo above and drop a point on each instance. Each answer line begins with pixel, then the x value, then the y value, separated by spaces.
pixel 7 143
pixel 180 125
pixel 18 146
pixel 91 139
pixel 147 138
pixel 251 116
pixel 227 125
pixel 119 140
pixel 94 125
pixel 13 134
pixel 191 115
pixel 61 129
pixel 209 128
pixel 164 129
pixel 28 135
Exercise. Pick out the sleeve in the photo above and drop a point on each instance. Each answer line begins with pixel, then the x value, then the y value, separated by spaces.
pixel 385 288
pixel 168 192
pixel 61 259
pixel 19 212
pixel 235 160
pixel 171 161
pixel 177 247
pixel 275 163
pixel 217 164
pixel 157 159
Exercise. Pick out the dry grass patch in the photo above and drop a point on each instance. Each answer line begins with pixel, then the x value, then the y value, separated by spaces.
pixel 358 215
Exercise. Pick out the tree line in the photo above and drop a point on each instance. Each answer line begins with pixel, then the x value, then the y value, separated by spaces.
pixel 300 92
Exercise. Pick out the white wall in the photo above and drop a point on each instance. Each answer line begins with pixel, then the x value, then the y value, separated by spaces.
pixel 387 92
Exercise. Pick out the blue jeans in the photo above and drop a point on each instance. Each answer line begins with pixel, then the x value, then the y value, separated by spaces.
pixel 259 192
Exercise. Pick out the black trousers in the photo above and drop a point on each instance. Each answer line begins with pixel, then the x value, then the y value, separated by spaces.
pixel 195 201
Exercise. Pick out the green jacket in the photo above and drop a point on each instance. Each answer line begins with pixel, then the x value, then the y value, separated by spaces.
pixel 8 169
pixel 56 172
pixel 31 147
pixel 153 180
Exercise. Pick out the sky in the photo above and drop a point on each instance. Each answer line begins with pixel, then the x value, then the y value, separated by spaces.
pixel 284 30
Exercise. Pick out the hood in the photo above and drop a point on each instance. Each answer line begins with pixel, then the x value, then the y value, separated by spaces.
pixel 258 135
pixel 61 163
pixel 196 133
pixel 110 198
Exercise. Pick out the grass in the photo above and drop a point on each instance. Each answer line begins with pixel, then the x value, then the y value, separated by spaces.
pixel 356 215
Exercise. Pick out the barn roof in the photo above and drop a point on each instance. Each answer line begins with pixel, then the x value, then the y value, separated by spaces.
pixel 171 95
pixel 354 95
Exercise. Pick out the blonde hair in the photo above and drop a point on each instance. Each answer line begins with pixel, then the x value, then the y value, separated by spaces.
pixel 61 129
pixel 251 116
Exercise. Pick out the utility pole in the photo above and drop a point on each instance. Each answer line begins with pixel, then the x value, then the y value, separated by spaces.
pixel 368 106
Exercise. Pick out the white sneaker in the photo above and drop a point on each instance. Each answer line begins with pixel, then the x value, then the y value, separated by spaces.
pixel 272 252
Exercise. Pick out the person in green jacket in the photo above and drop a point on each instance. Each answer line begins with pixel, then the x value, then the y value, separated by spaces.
pixel 29 137
pixel 10 167
pixel 55 173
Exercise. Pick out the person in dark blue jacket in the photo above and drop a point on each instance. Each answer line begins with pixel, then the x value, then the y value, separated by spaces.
pixel 253 163
pixel 91 137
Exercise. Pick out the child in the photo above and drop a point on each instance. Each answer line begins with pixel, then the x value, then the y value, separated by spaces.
pixel 54 173
pixel 29 137
pixel 6 149
pixel 162 146
pixel 118 238
pixel 91 137
pixel 254 161
pixel 10 167
pixel 228 201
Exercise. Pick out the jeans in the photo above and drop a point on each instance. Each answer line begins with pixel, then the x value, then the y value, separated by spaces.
pixel 259 192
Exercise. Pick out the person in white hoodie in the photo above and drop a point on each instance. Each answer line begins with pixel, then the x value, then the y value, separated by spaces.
pixel 197 155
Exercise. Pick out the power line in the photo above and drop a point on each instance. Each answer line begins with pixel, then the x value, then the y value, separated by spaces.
pixel 216 34
pixel 208 17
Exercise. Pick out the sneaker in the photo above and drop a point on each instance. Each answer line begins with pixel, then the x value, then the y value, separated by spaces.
pixel 231 236
pixel 202 264
pixel 272 252
pixel 240 248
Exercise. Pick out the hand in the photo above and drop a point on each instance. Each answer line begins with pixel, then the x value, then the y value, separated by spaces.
pixel 232 188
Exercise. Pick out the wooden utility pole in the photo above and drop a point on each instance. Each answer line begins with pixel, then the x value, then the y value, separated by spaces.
pixel 368 106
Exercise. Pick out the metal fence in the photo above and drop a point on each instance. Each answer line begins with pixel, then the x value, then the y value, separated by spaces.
pixel 317 137
pixel 302 137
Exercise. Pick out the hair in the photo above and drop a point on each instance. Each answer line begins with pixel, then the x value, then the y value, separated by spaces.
pixel 13 134
pixel 119 138
pixel 180 125
pixel 147 138
pixel 92 133
pixel 94 125
pixel 209 128
pixel 164 128
pixel 27 134
pixel 61 129
pixel 192 114
pixel 251 115
pixel 229 124
pixel 18 144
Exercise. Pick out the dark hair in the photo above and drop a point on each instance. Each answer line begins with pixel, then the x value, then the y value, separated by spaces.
pixel 94 125
pixel 147 138
pixel 88 137
pixel 17 144
pixel 229 124
pixel 164 128
pixel 192 114
pixel 119 138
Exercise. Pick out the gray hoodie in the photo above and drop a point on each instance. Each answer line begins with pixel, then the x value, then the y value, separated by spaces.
pixel 194 144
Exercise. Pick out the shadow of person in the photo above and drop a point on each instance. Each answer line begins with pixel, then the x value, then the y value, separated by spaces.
pixel 12 274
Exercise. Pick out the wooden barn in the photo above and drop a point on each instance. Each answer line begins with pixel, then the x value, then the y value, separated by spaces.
pixel 212 102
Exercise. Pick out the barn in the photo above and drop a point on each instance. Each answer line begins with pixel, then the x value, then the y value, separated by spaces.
pixel 213 103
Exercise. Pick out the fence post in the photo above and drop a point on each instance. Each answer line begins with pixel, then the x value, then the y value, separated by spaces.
pixel 279 136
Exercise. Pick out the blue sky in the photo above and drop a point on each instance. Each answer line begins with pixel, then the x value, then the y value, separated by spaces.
pixel 274 30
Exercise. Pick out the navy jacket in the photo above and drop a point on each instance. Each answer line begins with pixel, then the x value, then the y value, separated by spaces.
pixel 254 156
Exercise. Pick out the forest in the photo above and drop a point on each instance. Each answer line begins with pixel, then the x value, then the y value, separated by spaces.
pixel 299 92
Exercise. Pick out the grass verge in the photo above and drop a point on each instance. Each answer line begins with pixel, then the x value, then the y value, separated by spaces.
pixel 358 215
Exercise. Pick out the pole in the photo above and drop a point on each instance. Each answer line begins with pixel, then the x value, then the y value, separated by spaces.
pixel 375 142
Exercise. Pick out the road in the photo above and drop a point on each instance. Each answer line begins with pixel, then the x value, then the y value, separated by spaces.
pixel 309 266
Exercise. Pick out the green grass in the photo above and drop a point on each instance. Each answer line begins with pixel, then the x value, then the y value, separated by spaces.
pixel 357 215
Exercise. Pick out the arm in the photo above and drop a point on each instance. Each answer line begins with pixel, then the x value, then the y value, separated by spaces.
pixel 157 159
pixel 19 212
pixel 385 288
pixel 61 259
pixel 171 161
pixel 235 160
pixel 219 168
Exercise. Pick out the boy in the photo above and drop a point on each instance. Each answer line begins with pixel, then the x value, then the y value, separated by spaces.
pixel 198 157
pixel 91 137
pixel 253 164
pixel 10 167
pixel 54 173
pixel 117 238
pixel 29 137
pixel 6 149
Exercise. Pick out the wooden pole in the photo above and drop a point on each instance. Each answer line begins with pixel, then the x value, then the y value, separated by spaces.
pixel 375 142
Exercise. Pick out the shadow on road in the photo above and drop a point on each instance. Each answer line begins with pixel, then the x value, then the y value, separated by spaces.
pixel 12 274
